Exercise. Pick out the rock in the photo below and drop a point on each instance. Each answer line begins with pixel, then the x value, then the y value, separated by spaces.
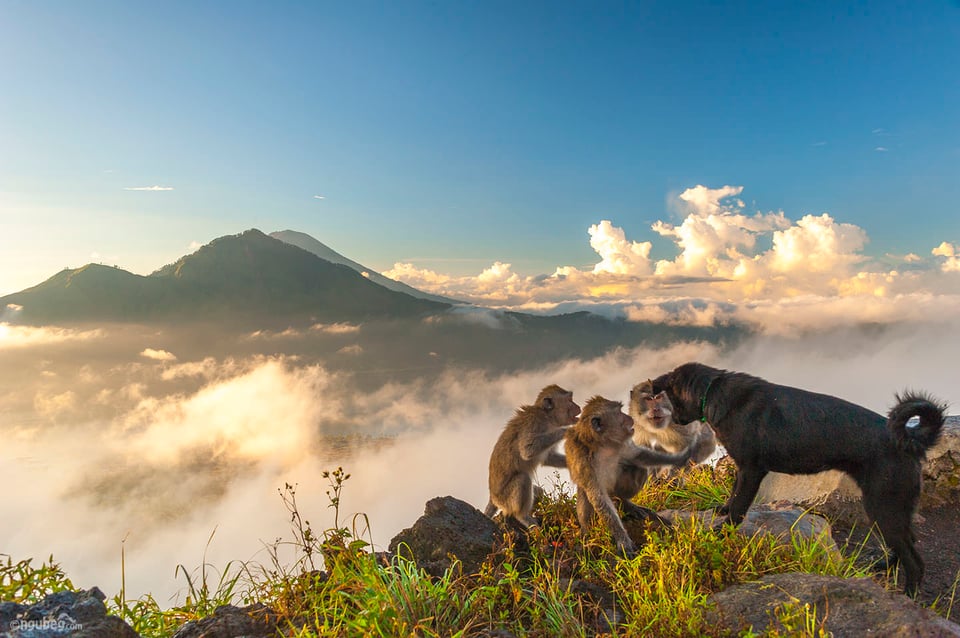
pixel 835 495
pixel 780 519
pixel 67 613
pixel 941 470
pixel 832 494
pixel 448 527
pixel 842 607
pixel 253 621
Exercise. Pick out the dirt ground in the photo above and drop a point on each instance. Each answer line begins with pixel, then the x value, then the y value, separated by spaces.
pixel 938 541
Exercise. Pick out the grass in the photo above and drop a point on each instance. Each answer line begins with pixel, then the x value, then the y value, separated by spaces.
pixel 555 583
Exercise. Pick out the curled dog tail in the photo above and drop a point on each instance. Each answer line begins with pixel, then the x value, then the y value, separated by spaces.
pixel 918 439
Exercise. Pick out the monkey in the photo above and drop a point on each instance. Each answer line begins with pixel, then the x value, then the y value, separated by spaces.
pixel 528 441
pixel 596 447
pixel 653 414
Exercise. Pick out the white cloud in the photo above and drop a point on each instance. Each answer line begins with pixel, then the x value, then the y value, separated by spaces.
pixel 619 256
pixel 951 255
pixel 158 355
pixel 14 336
pixel 818 245
pixel 724 254
pixel 148 188
pixel 319 197
pixel 706 201
pixel 881 149
pixel 335 328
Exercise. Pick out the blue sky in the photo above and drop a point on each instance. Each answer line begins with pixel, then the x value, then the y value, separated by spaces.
pixel 454 135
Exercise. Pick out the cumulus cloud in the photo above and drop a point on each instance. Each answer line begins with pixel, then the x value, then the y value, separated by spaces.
pixel 618 255
pixel 951 257
pixel 724 254
pixel 706 201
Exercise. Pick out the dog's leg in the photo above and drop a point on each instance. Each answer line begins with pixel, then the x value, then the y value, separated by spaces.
pixel 891 510
pixel 748 483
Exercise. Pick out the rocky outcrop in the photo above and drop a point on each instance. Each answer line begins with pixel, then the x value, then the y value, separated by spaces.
pixel 941 470
pixel 449 528
pixel 78 614
pixel 842 607
pixel 836 496
pixel 780 519
pixel 254 621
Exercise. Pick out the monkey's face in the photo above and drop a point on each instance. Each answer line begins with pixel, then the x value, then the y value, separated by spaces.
pixel 559 404
pixel 607 422
pixel 656 409
pixel 652 408
pixel 568 410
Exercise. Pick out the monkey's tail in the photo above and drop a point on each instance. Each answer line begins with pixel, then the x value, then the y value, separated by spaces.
pixel 916 440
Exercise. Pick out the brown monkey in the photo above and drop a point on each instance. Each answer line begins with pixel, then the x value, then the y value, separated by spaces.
pixel 653 414
pixel 596 447
pixel 528 441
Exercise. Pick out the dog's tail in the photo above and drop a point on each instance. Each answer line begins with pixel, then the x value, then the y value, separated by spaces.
pixel 916 440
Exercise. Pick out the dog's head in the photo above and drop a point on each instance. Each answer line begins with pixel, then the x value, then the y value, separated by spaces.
pixel 684 386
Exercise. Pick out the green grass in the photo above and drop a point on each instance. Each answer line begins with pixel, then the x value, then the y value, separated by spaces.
pixel 559 583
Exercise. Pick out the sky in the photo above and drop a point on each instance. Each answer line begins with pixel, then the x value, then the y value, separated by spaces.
pixel 513 154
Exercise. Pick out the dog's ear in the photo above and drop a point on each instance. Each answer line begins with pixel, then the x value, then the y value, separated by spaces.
pixel 597 424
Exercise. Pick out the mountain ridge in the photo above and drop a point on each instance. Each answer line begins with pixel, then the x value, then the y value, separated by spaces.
pixel 321 250
pixel 238 277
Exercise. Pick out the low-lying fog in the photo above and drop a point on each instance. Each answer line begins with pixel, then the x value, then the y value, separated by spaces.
pixel 117 433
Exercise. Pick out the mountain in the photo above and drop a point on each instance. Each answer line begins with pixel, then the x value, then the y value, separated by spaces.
pixel 236 278
pixel 311 245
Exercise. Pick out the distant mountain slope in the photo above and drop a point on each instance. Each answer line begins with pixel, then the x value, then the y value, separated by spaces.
pixel 238 277
pixel 311 245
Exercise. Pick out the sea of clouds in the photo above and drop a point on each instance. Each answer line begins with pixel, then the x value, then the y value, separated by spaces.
pixel 114 437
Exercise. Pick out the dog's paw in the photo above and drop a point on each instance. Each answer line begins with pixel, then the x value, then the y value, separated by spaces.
pixel 719 522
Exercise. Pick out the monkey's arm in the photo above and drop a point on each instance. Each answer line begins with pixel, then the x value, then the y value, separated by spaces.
pixel 532 444
pixel 648 457
pixel 555 459
pixel 607 511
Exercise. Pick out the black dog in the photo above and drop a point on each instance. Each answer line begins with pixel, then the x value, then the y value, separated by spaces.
pixel 773 428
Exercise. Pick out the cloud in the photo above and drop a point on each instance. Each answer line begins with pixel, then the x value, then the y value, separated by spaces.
pixel 319 197
pixel 706 201
pixel 176 464
pixel 351 350
pixel 951 254
pixel 158 355
pixel 148 188
pixel 335 328
pixel 881 149
pixel 724 254
pixel 619 256
pixel 14 336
